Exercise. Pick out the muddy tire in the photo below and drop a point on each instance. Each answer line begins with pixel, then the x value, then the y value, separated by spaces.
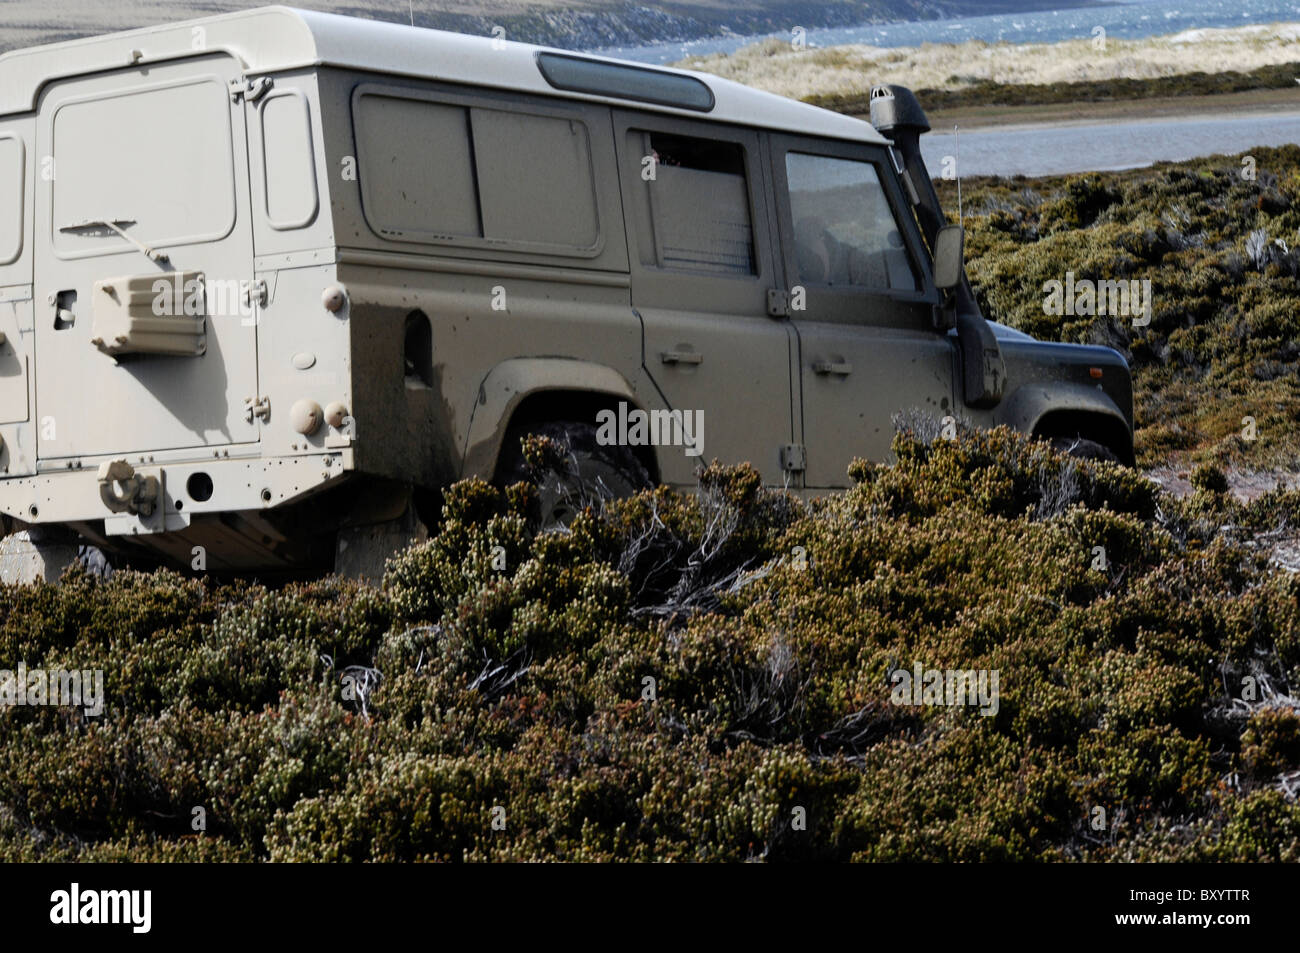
pixel 595 472
pixel 1084 449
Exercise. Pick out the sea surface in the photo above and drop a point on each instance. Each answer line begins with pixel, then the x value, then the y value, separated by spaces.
pixel 1054 149
pixel 1058 148
pixel 1128 20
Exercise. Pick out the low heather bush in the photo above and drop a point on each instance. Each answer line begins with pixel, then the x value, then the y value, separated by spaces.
pixel 708 676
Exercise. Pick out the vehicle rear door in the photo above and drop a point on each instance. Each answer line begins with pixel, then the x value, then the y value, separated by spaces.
pixel 135 354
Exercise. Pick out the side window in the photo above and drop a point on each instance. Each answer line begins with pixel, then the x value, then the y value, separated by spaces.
pixel 416 168
pixel 291 197
pixel 845 233
pixel 434 172
pixel 535 178
pixel 694 204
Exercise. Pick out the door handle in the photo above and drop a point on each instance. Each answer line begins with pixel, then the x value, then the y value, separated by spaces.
pixel 838 368
pixel 681 357
pixel 65 314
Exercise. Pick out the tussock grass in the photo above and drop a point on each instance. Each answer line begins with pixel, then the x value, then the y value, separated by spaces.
pixel 847 73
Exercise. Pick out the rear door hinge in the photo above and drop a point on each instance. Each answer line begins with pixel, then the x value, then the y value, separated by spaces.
pixel 250 90
pixel 778 303
pixel 255 292
pixel 257 407
pixel 793 458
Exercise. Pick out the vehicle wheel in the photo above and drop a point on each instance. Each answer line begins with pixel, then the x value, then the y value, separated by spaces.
pixel 1084 449
pixel 595 472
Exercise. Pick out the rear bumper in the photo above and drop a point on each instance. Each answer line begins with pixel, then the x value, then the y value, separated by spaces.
pixel 73 494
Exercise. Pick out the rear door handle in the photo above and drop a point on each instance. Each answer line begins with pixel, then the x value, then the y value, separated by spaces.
pixel 838 368
pixel 681 357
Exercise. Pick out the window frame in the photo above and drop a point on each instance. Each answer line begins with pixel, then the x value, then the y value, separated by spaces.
pixel 553 110
pixel 307 169
pixel 685 289
pixel 657 248
pixel 226 146
pixel 845 302
pixel 544 59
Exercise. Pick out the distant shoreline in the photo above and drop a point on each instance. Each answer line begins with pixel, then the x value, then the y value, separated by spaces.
pixel 1254 69
pixel 587 25
pixel 1266 88
pixel 1274 88
pixel 1155 108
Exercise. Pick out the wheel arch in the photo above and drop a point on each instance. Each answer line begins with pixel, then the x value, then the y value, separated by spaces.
pixel 1109 430
pixel 534 390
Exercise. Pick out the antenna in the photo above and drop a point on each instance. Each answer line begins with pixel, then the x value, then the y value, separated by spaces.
pixel 957 149
pixel 411 4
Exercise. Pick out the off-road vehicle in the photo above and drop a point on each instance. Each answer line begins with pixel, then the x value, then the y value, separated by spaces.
pixel 267 278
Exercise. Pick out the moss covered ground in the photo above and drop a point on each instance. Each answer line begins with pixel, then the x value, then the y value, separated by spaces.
pixel 714 676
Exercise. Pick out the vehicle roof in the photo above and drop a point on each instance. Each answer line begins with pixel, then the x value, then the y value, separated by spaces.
pixel 273 39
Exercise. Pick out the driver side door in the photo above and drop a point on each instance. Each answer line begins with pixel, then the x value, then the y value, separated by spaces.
pixel 862 302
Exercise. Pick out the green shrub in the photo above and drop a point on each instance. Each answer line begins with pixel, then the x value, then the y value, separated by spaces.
pixel 1217 247
pixel 704 676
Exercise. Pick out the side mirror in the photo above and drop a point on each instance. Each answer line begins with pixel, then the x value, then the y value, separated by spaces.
pixel 948 246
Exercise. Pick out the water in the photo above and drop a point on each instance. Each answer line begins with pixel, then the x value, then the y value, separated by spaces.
pixel 1096 147
pixel 1064 147
pixel 1130 21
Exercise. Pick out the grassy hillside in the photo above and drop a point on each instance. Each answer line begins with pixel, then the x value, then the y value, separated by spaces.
pixel 681 678
pixel 689 678
pixel 1222 252
pixel 981 94
pixel 847 73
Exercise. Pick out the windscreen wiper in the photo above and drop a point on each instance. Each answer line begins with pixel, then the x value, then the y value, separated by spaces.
pixel 114 224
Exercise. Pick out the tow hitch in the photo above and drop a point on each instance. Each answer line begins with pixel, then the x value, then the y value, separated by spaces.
pixel 125 491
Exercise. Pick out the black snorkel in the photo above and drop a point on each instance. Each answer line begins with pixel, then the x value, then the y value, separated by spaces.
pixel 896 115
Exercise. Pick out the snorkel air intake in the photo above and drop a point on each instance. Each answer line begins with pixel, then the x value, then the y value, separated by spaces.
pixel 896 115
